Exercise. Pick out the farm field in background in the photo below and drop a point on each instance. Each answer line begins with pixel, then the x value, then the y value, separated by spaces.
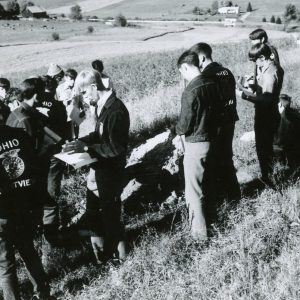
pixel 179 8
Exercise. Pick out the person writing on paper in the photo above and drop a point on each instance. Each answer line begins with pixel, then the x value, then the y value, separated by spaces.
pixel 265 100
pixel 197 125
pixel 108 143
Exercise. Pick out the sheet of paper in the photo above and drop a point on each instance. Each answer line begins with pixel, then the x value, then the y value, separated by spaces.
pixel 77 160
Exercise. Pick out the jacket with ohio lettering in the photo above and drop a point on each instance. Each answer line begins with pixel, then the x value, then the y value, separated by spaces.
pixel 18 171
pixel 57 114
pixel 226 81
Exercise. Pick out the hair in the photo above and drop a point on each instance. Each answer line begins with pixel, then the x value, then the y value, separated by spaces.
pixel 4 83
pixel 60 75
pixel 88 77
pixel 258 34
pixel 188 57
pixel 50 84
pixel 71 73
pixel 4 112
pixel 98 65
pixel 202 48
pixel 29 87
pixel 258 50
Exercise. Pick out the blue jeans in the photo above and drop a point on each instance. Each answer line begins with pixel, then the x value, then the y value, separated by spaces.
pixel 16 233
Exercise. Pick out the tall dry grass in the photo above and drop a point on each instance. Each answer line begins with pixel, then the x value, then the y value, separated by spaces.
pixel 252 254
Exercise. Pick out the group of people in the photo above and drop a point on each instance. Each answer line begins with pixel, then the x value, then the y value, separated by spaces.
pixel 43 116
pixel 207 122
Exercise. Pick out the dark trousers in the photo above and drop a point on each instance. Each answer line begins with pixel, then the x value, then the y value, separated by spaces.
pixel 226 172
pixel 16 234
pixel 109 184
pixel 264 137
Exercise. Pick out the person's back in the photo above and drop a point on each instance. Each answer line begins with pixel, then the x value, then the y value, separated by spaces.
pixel 199 124
pixel 20 209
pixel 226 83
pixel 20 169
pixel 56 112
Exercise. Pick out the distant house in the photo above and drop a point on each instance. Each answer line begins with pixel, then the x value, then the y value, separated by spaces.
pixel 230 22
pixel 34 12
pixel 230 10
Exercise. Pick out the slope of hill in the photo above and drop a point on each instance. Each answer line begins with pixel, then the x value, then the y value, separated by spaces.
pixel 179 8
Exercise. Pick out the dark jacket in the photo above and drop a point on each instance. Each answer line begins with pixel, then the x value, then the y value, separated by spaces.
pixel 288 134
pixel 28 119
pixel 226 81
pixel 57 114
pixel 18 171
pixel 110 139
pixel 200 110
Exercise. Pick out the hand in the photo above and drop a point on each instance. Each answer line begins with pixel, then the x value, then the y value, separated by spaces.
pixel 76 146
pixel 239 93
pixel 98 248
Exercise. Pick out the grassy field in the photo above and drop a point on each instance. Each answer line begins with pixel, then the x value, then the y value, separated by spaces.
pixel 253 254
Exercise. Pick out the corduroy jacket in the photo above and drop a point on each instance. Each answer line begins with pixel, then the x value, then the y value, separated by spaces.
pixel 200 110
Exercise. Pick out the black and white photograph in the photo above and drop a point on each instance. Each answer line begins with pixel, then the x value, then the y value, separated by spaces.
pixel 149 149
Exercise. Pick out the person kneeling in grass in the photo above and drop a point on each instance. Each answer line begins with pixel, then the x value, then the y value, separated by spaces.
pixel 108 143
pixel 287 138
pixel 265 100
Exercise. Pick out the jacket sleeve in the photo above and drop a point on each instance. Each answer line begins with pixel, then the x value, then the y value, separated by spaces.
pixel 118 127
pixel 186 113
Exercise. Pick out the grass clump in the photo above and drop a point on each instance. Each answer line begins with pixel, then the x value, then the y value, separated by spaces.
pixel 246 259
pixel 55 36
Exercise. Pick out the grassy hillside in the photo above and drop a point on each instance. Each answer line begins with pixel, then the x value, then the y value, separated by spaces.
pixel 254 251
pixel 180 8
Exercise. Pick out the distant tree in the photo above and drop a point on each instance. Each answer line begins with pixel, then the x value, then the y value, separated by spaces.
pixel 249 7
pixel 278 20
pixel 63 15
pixel 90 29
pixel 214 7
pixel 272 20
pixel 290 13
pixel 196 10
pixel 13 8
pixel 120 20
pixel 2 11
pixel 264 19
pixel 24 5
pixel 76 13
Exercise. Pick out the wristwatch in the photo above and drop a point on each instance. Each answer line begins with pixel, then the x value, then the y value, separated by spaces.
pixel 86 148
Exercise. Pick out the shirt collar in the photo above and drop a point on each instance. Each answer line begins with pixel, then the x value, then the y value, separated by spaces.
pixel 105 101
